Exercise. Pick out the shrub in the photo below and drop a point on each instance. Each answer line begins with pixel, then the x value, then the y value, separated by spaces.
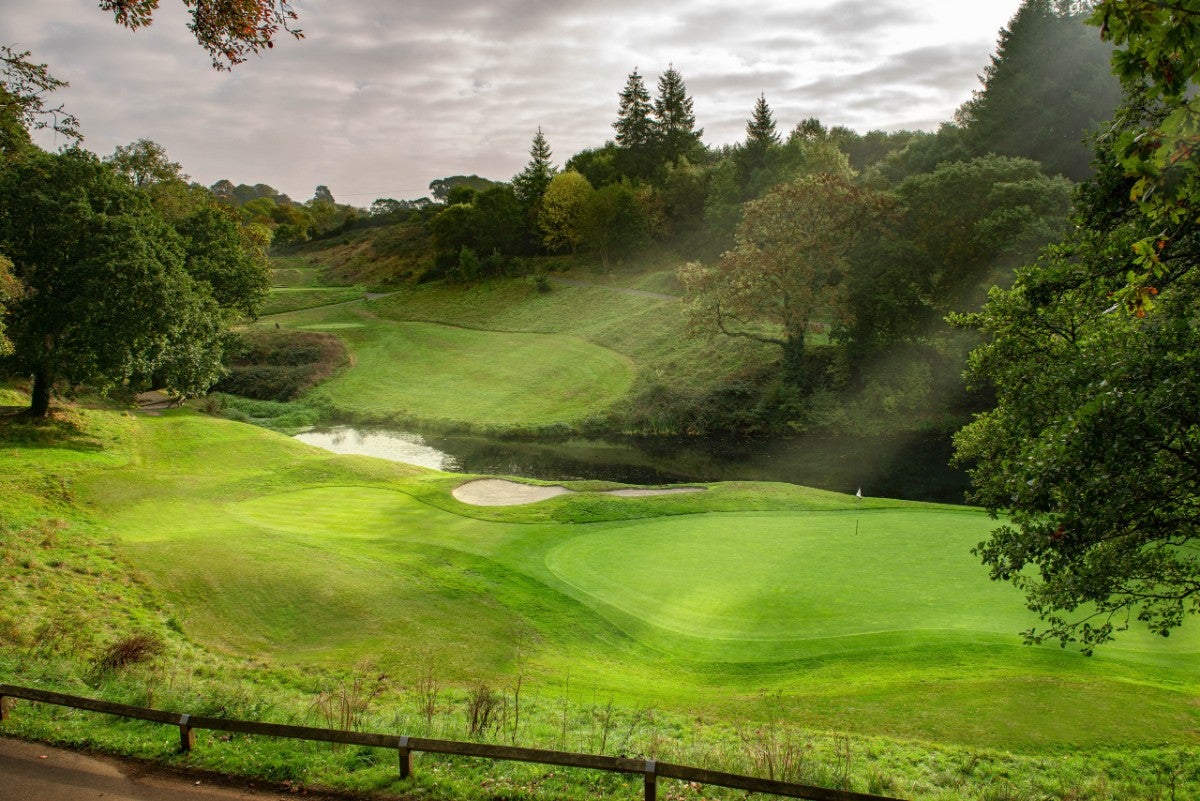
pixel 131 649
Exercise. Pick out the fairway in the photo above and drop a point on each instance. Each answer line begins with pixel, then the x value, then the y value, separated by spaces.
pixel 436 373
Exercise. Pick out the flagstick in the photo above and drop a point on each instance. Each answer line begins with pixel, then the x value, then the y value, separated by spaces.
pixel 857 510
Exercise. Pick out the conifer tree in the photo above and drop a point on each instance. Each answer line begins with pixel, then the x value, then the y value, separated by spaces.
pixel 530 184
pixel 760 128
pixel 761 136
pixel 1047 86
pixel 673 117
pixel 636 130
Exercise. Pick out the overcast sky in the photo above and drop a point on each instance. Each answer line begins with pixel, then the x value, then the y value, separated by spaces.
pixel 383 96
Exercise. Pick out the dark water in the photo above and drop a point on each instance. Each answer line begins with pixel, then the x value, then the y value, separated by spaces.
pixel 912 467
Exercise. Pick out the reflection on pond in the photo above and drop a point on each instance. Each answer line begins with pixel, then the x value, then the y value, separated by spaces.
pixel 912 467
pixel 397 446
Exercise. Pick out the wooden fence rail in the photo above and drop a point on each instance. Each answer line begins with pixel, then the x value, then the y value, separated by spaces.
pixel 650 769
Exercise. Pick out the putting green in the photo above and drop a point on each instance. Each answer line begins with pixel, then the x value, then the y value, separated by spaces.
pixel 774 586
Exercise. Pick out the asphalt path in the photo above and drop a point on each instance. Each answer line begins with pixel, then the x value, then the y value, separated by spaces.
pixel 35 772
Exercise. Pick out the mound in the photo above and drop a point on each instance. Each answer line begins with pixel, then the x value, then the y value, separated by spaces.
pixel 499 492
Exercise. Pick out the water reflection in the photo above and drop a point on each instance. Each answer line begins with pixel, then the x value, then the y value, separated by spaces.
pixel 912 467
pixel 398 446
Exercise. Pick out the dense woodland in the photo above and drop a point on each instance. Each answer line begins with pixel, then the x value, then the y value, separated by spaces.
pixel 1050 226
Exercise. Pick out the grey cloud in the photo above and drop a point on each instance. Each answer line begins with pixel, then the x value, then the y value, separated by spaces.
pixel 383 96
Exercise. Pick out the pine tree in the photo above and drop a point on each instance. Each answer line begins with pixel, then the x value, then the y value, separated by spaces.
pixel 530 184
pixel 673 117
pixel 1047 86
pixel 761 137
pixel 760 128
pixel 636 134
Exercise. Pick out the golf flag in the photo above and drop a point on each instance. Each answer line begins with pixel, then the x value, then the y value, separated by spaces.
pixel 859 493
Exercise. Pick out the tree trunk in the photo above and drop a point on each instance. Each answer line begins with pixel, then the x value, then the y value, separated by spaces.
pixel 793 361
pixel 39 403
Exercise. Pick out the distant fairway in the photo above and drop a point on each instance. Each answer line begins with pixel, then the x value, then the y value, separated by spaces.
pixel 293 554
pixel 436 373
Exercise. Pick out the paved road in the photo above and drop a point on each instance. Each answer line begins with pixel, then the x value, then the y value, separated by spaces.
pixel 33 772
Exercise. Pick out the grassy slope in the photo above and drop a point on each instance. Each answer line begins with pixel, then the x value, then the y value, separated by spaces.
pixel 458 376
pixel 638 344
pixel 293 555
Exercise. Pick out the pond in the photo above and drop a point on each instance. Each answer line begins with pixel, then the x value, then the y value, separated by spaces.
pixel 912 467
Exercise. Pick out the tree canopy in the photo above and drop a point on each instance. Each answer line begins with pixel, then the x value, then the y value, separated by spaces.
pixel 788 265
pixel 1094 356
pixel 105 296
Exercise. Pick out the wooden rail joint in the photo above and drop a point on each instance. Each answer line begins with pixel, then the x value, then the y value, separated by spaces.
pixel 187 735
pixel 651 774
pixel 406 759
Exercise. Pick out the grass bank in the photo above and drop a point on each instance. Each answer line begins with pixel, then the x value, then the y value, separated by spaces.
pixel 700 628
pixel 606 353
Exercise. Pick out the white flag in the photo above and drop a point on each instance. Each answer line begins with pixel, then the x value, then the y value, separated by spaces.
pixel 859 493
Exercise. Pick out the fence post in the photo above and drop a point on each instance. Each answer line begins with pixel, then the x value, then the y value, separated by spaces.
pixel 651 780
pixel 187 736
pixel 406 764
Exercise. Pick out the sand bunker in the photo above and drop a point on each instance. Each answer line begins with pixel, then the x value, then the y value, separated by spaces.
pixel 499 492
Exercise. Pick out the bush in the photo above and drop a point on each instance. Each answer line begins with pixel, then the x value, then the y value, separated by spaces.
pixel 281 365
pixel 129 650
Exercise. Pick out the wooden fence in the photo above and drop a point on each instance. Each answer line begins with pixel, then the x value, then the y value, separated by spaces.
pixel 650 769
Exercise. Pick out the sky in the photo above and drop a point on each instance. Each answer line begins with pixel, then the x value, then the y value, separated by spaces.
pixel 383 96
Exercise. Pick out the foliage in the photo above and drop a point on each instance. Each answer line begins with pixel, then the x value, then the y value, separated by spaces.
pixel 10 291
pixel 1046 89
pixel 1158 144
pixel 280 365
pixel 440 188
pixel 106 296
pixel 566 207
pixel 145 163
pixel 229 32
pixel 788 265
pixel 23 88
pixel 616 223
pixel 219 253
pixel 1091 446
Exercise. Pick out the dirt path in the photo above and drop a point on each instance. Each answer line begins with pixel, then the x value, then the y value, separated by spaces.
pixel 34 772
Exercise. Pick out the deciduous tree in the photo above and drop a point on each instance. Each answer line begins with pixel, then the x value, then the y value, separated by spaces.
pixel 788 265
pixel 565 212
pixel 1092 449
pixel 105 296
